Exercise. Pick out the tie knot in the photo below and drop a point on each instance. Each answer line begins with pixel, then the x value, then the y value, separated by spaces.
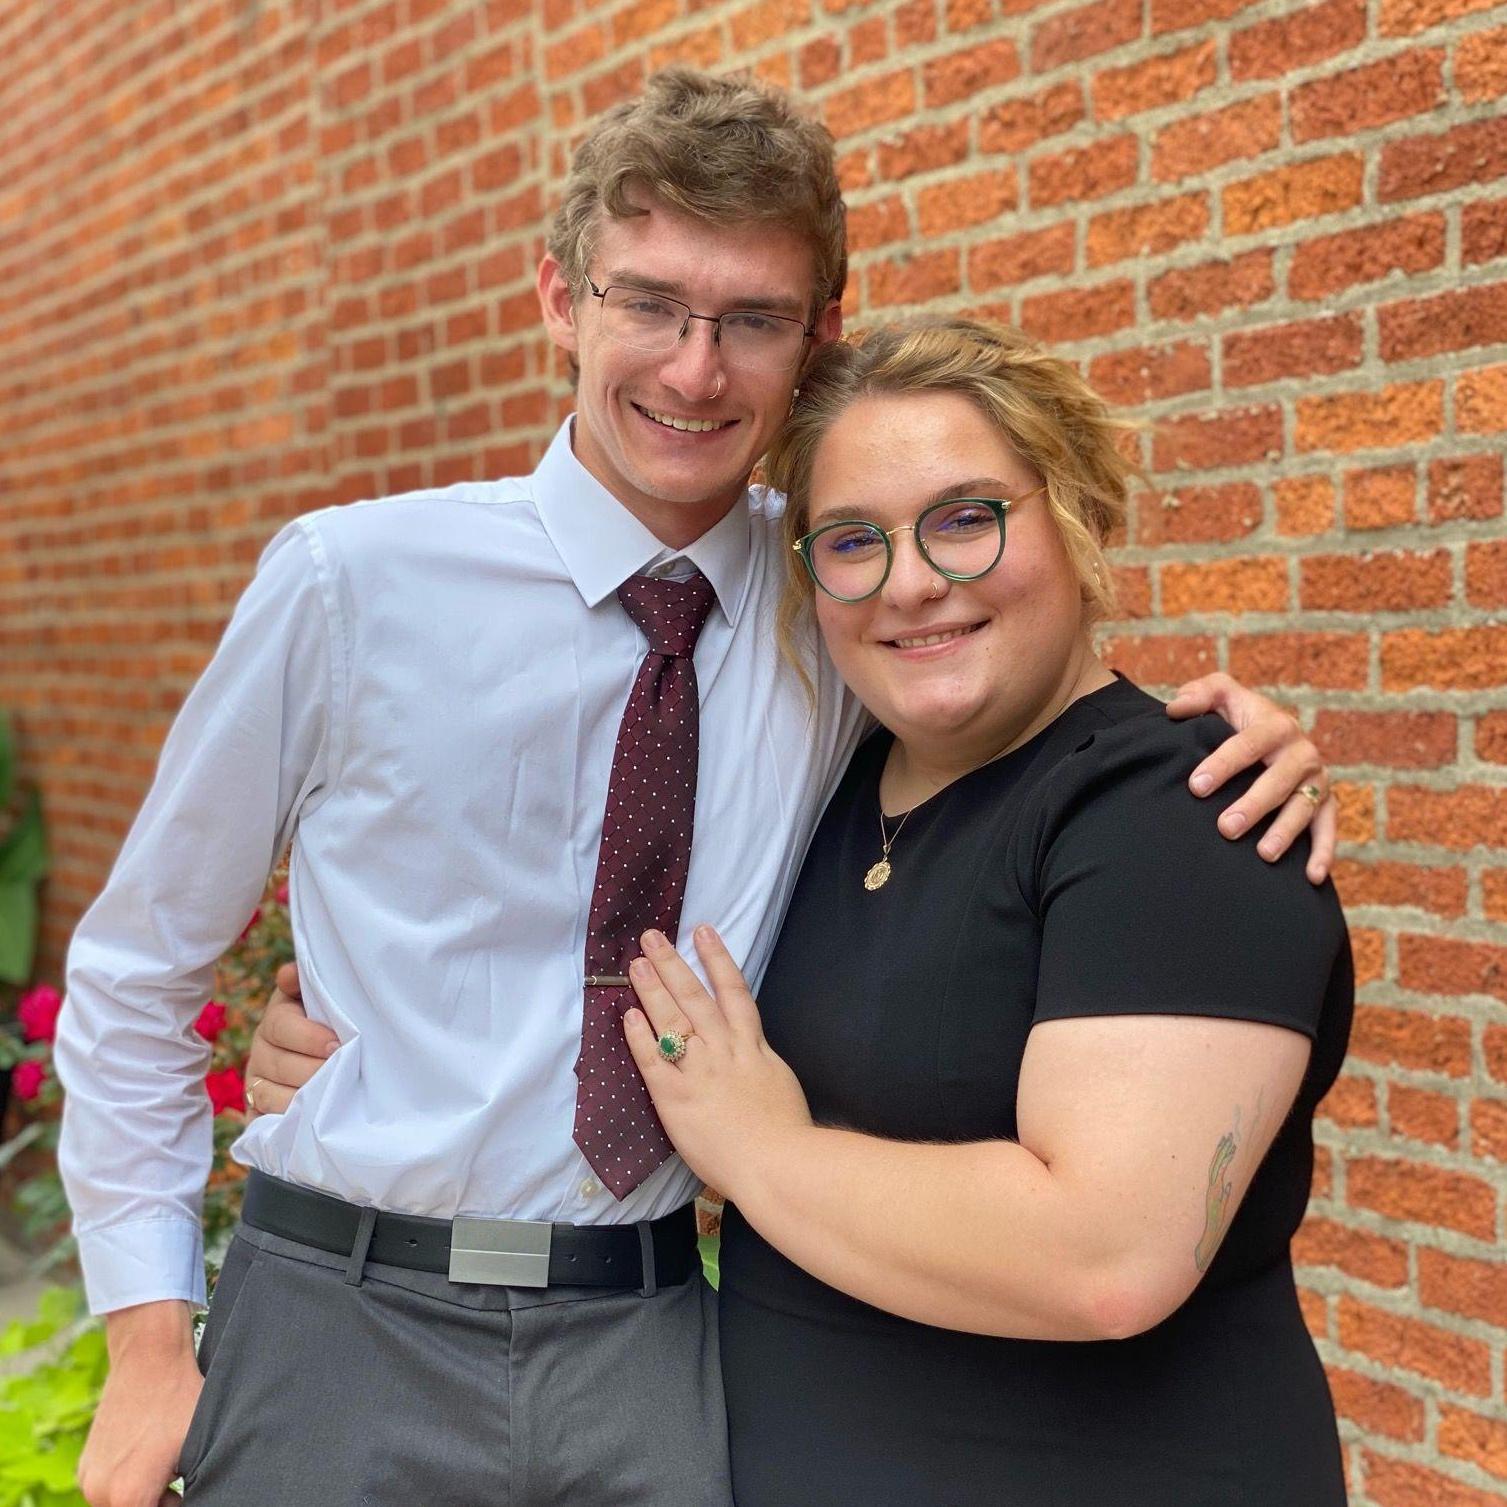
pixel 669 614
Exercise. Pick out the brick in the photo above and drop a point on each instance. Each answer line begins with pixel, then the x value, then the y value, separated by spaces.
pixel 1362 98
pixel 1369 950
pixel 1391 580
pixel 1175 15
pixel 1304 348
pixel 1084 32
pixel 768 21
pixel 819 62
pixel 1481 65
pixel 1200 143
pixel 964 15
pixel 1470 816
pixel 1491 737
pixel 1397 740
pixel 1494 894
pixel 1246 585
pixel 1408 1344
pixel 1399 1483
pixel 1328 661
pixel 1170 79
pixel 1146 373
pixel 1453 659
pixel 1300 191
pixel 1146 229
pixel 1407 17
pixel 1315 1310
pixel 923 150
pixel 1472 153
pixel 1083 173
pixel 1447 322
pixel 1357 824
pixel 1468 1435
pixel 1018 258
pixel 1481 400
pixel 1423 1194
pixel 915 23
pixel 1486 574
pixel 1079 313
pixel 1442 891
pixel 1422 1115
pixel 1494 1050
pixel 1161 659
pixel 917 279
pixel 1458 1284
pixel 876 224
pixel 1212 287
pixel 1376 1259
pixel 698 49
pixel 1335 263
pixel 964 202
pixel 1309 34
pixel 1406 413
pixel 971 70
pixel 867 42
pixel 869 104
pixel 1411 1038
pixel 1351 1104
pixel 1196 515
pixel 1443 965
pixel 1488 1129
pixel 1384 497
pixel 1021 123
pixel 1379 1407
pixel 1305 505
pixel 1233 437
pixel 1483 229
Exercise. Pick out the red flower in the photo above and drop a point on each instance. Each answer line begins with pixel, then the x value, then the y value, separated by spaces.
pixel 211 1020
pixel 256 916
pixel 282 893
pixel 26 1078
pixel 37 1011
pixel 226 1089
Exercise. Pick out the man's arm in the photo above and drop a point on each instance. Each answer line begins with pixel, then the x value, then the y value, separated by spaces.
pixel 247 754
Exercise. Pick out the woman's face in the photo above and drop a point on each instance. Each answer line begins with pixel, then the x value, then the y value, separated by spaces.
pixel 1013 642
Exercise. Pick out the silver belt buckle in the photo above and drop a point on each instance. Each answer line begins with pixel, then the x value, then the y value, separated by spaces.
pixel 500 1252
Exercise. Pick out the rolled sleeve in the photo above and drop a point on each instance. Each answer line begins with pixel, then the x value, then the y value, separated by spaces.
pixel 248 754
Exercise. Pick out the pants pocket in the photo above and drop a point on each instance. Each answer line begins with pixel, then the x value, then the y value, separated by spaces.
pixel 215 1354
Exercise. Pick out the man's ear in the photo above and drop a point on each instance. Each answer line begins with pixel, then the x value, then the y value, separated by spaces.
pixel 556 304
pixel 828 325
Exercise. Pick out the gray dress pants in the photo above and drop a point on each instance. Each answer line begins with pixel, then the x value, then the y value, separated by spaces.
pixel 391 1388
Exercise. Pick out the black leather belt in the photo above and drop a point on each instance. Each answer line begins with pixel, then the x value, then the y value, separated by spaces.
pixel 502 1252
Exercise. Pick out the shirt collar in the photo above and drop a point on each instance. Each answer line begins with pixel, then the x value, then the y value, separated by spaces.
pixel 601 543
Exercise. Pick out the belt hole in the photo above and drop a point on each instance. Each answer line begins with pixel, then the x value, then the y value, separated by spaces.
pixel 412 1241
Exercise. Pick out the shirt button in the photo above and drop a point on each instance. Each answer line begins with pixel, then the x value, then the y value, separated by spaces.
pixel 589 1189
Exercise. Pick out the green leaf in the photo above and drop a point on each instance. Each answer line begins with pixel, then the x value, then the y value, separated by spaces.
pixel 23 850
pixel 711 1254
pixel 18 930
pixel 7 759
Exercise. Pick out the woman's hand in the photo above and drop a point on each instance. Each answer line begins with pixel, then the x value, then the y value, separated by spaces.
pixel 287 1048
pixel 1294 782
pixel 730 1104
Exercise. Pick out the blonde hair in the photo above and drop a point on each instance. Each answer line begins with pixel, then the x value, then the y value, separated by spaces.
pixel 724 150
pixel 1039 402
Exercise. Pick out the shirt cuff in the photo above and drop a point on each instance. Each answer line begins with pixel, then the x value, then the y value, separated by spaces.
pixel 145 1261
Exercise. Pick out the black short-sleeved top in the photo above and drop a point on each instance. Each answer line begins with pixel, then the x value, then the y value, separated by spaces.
pixel 1075 876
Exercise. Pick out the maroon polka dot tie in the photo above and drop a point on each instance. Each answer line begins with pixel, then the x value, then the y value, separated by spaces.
pixel 641 873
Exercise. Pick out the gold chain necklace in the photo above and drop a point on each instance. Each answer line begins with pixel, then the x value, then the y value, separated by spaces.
pixel 879 873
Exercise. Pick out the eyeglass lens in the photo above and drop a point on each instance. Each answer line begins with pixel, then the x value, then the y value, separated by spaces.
pixel 961 539
pixel 649 322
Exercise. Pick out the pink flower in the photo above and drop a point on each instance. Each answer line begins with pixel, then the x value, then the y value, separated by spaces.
pixel 226 1089
pixel 211 1020
pixel 256 916
pixel 37 1011
pixel 282 893
pixel 27 1077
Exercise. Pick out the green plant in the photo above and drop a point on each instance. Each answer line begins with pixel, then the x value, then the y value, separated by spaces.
pixel 45 1413
pixel 23 862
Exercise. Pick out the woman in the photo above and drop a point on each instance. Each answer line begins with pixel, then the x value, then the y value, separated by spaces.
pixel 1016 1136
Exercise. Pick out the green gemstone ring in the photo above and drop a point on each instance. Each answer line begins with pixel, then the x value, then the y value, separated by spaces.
pixel 672 1045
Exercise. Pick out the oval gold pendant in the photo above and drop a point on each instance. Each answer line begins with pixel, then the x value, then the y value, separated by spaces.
pixel 878 876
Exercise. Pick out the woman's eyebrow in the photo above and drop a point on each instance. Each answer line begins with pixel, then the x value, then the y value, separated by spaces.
pixel 975 486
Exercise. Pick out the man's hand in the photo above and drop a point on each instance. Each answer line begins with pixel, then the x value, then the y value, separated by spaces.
pixel 143 1416
pixel 1264 733
pixel 287 1049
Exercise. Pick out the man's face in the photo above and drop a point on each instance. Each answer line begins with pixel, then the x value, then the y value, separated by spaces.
pixel 679 482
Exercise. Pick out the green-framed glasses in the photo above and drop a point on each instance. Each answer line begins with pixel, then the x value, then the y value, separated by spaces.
pixel 961 539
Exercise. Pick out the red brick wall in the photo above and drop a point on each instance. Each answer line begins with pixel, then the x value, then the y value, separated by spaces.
pixel 258 256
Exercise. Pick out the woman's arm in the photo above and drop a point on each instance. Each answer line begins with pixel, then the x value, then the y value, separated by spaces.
pixel 1138 1138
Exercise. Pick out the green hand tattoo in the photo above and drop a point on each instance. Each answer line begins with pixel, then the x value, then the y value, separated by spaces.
pixel 1217 1199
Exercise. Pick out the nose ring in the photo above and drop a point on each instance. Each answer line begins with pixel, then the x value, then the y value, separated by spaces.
pixel 718 392
pixel 932 596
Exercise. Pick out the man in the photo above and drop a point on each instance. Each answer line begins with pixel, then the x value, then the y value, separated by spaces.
pixel 467 1269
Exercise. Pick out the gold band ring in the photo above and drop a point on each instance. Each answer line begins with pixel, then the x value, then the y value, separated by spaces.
pixel 1311 793
pixel 251 1095
pixel 672 1044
